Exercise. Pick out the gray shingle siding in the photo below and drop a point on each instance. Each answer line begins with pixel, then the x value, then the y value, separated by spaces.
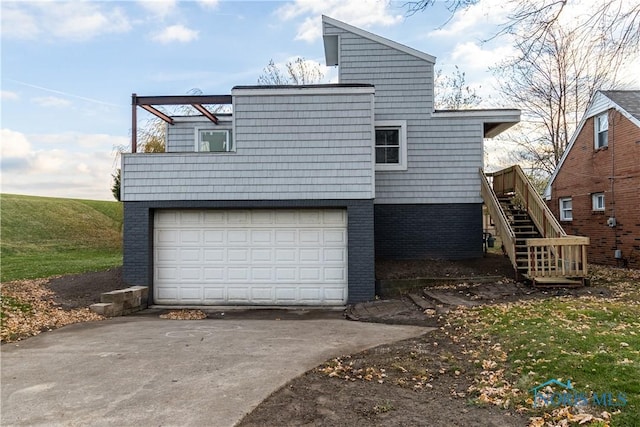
pixel 287 146
pixel 138 237
pixel 424 231
pixel 444 154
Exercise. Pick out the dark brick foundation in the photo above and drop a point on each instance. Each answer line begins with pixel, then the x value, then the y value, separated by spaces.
pixel 436 231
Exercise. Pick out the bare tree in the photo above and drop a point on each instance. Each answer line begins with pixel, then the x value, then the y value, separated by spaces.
pixel 552 81
pixel 297 72
pixel 452 91
pixel 616 22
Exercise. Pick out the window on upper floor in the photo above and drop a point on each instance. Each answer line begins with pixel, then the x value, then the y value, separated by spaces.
pixel 601 131
pixel 391 145
pixel 566 209
pixel 213 140
pixel 597 201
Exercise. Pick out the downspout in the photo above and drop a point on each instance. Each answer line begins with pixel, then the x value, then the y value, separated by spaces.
pixel 612 179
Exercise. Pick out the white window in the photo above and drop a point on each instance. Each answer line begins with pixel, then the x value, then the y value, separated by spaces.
pixel 391 145
pixel 213 140
pixel 566 209
pixel 602 131
pixel 597 201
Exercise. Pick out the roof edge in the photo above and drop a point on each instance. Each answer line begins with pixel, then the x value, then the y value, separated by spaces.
pixel 378 39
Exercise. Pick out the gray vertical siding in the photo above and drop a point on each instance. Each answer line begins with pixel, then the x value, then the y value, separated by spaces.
pixel 443 155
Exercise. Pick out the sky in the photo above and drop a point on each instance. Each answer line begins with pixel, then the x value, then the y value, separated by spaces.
pixel 68 69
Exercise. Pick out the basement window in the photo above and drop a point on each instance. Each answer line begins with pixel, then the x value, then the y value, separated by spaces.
pixel 566 209
pixel 602 131
pixel 213 140
pixel 597 202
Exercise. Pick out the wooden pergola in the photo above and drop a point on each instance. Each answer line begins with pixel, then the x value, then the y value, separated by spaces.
pixel 196 101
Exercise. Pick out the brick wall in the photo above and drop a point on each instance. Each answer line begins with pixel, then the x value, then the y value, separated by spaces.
pixel 138 238
pixel 428 231
pixel 614 171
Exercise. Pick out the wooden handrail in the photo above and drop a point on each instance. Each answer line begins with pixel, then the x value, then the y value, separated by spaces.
pixel 513 180
pixel 503 227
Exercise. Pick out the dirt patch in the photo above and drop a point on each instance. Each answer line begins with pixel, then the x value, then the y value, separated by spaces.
pixel 491 264
pixel 82 290
pixel 425 382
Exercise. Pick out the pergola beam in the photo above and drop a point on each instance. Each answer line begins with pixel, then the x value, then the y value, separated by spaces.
pixel 205 113
pixel 196 101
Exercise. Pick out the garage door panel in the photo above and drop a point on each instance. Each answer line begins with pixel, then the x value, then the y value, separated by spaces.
pixel 238 255
pixel 238 294
pixel 213 255
pixel 213 237
pixel 310 255
pixel 286 256
pixel 246 256
pixel 190 237
pixel 262 237
pixel 262 256
pixel 286 294
pixel 190 274
pixel 335 255
pixel 286 274
pixel 308 274
pixel 309 237
pixel 214 294
pixel 213 274
pixel 238 274
pixel 191 293
pixel 334 274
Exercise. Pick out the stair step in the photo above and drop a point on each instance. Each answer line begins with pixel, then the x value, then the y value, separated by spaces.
pixel 551 282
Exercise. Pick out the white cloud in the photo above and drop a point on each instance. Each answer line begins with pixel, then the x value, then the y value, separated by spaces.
pixel 14 144
pixel 159 8
pixel 474 21
pixel 18 24
pixel 360 13
pixel 472 56
pixel 58 165
pixel 8 95
pixel 209 4
pixel 63 20
pixel 175 33
pixel 51 101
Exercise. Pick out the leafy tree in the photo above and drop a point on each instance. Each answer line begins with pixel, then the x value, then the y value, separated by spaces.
pixel 298 72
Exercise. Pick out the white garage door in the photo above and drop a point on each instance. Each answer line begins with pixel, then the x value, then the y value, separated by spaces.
pixel 250 256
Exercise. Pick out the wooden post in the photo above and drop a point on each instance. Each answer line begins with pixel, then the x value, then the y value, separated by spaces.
pixel 134 123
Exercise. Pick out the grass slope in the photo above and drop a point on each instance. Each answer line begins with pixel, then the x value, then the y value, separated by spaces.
pixel 42 236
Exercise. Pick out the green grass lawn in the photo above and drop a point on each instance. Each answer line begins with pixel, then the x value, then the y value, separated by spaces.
pixel 43 237
pixel 593 342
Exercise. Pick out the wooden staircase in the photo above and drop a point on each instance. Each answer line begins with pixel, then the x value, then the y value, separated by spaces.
pixel 538 247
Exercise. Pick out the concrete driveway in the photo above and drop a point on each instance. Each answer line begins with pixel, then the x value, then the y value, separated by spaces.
pixel 145 371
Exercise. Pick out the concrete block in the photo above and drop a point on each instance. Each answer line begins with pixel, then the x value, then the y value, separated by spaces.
pixel 113 296
pixel 103 309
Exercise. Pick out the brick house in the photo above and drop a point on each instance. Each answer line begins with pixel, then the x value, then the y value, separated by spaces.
pixel 595 189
